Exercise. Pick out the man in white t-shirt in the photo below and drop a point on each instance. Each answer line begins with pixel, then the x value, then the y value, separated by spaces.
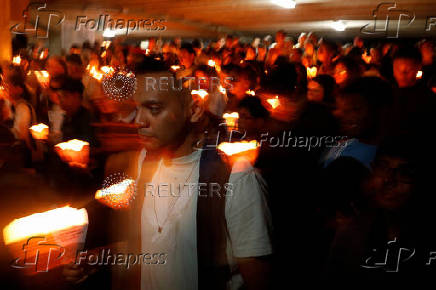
pixel 173 215
pixel 169 120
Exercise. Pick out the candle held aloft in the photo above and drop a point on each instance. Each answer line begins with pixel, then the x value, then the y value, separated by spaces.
pixel 39 131
pixel 74 152
pixel 118 195
pixel 231 120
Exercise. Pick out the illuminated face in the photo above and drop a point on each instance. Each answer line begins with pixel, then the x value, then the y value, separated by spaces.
pixel 405 71
pixel 186 59
pixel 341 74
pixel 391 182
pixel 163 118
pixel 315 92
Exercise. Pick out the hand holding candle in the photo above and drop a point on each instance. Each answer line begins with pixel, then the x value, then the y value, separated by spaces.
pixel 74 152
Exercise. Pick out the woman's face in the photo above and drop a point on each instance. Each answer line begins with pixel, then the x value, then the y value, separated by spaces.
pixel 315 92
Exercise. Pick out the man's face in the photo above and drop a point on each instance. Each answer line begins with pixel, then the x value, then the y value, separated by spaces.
pixel 186 59
pixel 163 118
pixel 405 71
pixel 315 92
pixel 391 182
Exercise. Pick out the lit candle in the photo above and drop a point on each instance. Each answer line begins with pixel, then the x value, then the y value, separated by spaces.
pixel 95 73
pixel 367 58
pixel 311 72
pixel 211 63
pixel 201 93
pixel 39 132
pixel 35 237
pixel 43 77
pixel 231 120
pixel 175 67
pixel 250 92
pixel 16 60
pixel 419 74
pixel 274 102
pixel 222 90
pixel 74 152
pixel 118 195
pixel 238 151
pixel 107 69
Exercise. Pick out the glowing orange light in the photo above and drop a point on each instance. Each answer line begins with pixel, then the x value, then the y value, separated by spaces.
pixel 43 77
pixel 59 231
pixel 44 223
pixel 201 93
pixel 251 93
pixel 175 67
pixel 74 152
pixel 39 132
pixel 107 69
pixel 211 63
pixel 231 119
pixel 274 102
pixel 118 195
pixel 16 60
pixel 312 72
pixel 103 54
pixel 237 147
pixel 367 58
pixel 147 51
pixel 95 73
pixel 222 90
pixel 419 74
pixel 106 44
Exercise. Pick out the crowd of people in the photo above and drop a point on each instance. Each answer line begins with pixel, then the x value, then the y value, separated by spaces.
pixel 340 176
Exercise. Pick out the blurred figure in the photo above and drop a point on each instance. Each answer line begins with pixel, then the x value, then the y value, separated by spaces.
pixel 327 51
pixel 75 66
pixel 77 123
pixel 346 72
pixel 320 89
pixel 186 59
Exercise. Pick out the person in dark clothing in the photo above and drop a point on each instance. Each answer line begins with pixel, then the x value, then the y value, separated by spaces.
pixel 77 123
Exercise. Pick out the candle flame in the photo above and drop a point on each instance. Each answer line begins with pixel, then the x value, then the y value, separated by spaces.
pixel 201 93
pixel 275 102
pixel 44 223
pixel 250 92
pixel 16 60
pixel 175 67
pixel 419 74
pixel 107 69
pixel 367 58
pixel 95 73
pixel 39 128
pixel 312 72
pixel 237 147
pixel 222 90
pixel 211 63
pixel 231 119
pixel 75 145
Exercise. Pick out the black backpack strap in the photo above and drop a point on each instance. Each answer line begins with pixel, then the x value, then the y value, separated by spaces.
pixel 213 268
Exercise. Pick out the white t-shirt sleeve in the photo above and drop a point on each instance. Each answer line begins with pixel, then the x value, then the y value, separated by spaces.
pixel 247 214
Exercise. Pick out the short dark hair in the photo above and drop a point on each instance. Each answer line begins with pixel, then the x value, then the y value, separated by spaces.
pixel 72 85
pixel 74 58
pixel 254 106
pixel 408 52
pixel 188 47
